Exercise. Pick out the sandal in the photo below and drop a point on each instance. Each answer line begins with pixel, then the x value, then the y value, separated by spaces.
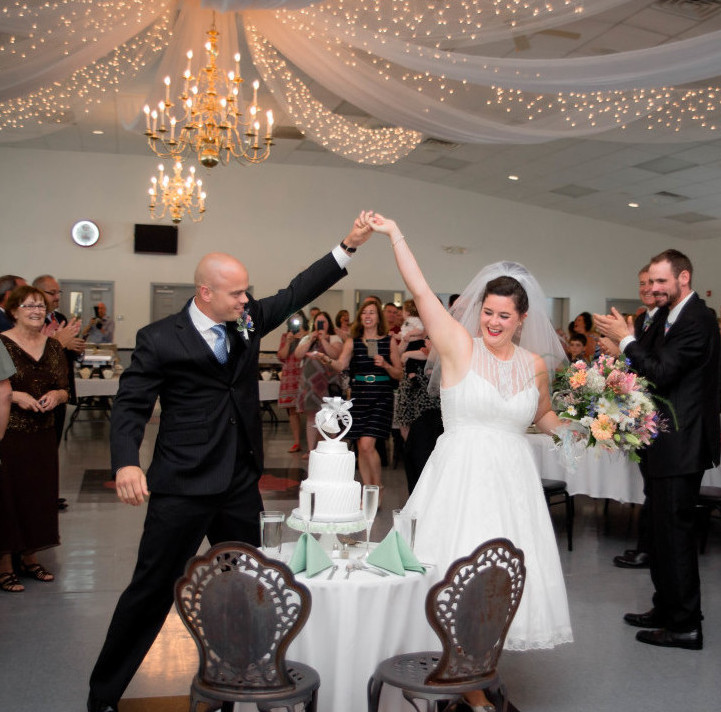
pixel 296 448
pixel 36 571
pixel 9 582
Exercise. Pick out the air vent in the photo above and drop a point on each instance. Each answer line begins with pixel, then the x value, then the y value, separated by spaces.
pixel 665 197
pixel 574 191
pixel 665 165
pixel 439 143
pixel 690 218
pixel 454 249
pixel 690 9
pixel 289 133
pixel 449 164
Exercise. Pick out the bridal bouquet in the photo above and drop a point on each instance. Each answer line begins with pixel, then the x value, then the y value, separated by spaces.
pixel 610 402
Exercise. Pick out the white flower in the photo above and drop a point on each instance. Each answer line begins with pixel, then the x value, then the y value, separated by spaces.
pixel 571 410
pixel 595 382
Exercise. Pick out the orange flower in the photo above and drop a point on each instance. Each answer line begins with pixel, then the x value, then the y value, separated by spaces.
pixel 603 427
pixel 578 379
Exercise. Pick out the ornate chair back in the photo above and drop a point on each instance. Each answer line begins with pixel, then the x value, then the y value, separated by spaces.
pixel 243 610
pixel 472 608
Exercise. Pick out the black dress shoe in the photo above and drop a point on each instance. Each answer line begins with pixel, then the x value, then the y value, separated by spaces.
pixel 690 640
pixel 638 560
pixel 96 705
pixel 650 619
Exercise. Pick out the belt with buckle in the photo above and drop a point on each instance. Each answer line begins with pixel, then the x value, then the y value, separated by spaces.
pixel 372 378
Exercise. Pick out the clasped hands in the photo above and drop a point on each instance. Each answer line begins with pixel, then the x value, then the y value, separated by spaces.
pixel 613 326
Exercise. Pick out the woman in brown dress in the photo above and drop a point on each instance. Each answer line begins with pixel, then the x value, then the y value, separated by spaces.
pixel 29 478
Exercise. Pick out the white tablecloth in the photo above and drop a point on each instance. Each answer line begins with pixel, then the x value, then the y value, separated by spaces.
pixel 598 473
pixel 268 390
pixel 357 622
pixel 96 387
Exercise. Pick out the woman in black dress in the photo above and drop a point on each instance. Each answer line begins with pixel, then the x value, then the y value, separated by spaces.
pixel 374 363
pixel 29 481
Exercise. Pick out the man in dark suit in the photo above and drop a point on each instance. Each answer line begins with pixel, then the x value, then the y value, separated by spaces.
pixel 65 331
pixel 203 365
pixel 8 282
pixel 681 360
pixel 638 558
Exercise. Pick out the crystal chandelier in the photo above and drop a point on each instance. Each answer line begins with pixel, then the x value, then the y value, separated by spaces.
pixel 177 195
pixel 213 126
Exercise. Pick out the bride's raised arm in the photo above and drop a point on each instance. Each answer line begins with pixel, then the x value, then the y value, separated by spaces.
pixel 449 338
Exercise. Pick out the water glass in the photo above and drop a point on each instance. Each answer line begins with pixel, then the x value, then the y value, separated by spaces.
pixel 271 533
pixel 405 524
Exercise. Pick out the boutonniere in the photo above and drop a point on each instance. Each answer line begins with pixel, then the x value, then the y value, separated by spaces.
pixel 245 324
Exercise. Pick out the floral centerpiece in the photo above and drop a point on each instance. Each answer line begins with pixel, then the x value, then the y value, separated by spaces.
pixel 610 402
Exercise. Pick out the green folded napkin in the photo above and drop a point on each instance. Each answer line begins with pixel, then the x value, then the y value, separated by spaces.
pixel 309 556
pixel 394 554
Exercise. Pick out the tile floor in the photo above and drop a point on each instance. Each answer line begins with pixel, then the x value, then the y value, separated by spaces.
pixel 51 634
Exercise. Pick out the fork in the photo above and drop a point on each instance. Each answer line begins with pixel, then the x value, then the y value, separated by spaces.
pixel 332 572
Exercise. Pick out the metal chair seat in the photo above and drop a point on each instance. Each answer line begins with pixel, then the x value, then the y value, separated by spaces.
pixel 306 682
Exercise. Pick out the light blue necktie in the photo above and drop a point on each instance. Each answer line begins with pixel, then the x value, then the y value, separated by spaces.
pixel 220 350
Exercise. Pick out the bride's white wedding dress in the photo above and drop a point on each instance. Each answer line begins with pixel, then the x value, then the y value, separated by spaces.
pixel 481 483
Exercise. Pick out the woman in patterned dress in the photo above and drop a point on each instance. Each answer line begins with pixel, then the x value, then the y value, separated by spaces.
pixel 374 363
pixel 29 479
pixel 290 375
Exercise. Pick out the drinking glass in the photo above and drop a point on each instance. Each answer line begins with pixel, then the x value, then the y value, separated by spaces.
pixel 405 524
pixel 307 507
pixel 271 532
pixel 370 507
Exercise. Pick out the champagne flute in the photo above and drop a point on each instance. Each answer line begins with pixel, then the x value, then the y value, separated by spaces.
pixel 307 508
pixel 370 507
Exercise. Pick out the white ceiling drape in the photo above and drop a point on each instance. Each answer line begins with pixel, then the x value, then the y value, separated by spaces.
pixel 418 68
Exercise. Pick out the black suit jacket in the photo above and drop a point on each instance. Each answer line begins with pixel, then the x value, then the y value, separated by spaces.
pixel 209 411
pixel 5 321
pixel 683 366
pixel 70 357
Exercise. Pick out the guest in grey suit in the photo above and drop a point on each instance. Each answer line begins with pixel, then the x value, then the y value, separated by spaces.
pixel 203 479
pixel 681 360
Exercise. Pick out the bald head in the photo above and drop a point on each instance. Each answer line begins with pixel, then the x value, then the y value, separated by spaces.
pixel 221 283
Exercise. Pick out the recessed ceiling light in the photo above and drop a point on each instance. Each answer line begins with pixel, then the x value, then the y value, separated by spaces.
pixel 513 178
pixel 98 132
pixel 633 205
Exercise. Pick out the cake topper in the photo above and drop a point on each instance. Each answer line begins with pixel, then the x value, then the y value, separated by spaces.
pixel 332 413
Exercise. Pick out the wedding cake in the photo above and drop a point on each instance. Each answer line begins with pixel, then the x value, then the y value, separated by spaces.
pixel 331 469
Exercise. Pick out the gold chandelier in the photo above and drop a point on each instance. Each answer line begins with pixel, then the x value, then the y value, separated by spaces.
pixel 213 127
pixel 177 195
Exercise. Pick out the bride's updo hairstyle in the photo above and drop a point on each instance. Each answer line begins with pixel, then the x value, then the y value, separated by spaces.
pixel 506 286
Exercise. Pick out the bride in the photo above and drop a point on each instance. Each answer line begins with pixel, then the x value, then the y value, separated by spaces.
pixel 481 481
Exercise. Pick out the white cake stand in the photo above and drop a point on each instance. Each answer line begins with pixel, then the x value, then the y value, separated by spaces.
pixel 327 530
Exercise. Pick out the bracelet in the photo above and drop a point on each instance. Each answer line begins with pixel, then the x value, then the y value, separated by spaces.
pixel 400 239
pixel 349 250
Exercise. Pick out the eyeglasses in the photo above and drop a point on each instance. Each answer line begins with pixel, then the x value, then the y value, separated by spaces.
pixel 33 306
pixel 54 293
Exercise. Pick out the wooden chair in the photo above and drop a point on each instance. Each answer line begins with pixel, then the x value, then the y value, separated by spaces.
pixel 243 610
pixel 471 610
pixel 552 491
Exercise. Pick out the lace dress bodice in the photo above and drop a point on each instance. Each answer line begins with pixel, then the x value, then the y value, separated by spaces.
pixel 496 394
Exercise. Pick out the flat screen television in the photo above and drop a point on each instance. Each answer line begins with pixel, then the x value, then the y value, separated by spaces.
pixel 156 239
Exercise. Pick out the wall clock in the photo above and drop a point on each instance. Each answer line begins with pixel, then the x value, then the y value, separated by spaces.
pixel 85 233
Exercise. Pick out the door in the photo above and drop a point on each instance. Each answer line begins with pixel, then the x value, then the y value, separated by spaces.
pixel 167 299
pixel 79 297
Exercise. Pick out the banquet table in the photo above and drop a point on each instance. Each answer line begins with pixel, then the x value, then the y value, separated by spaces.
pixel 597 473
pixel 93 394
pixel 355 623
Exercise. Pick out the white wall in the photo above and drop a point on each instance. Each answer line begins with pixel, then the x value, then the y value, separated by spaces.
pixel 277 219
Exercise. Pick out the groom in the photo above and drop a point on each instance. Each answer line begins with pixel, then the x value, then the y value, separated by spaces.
pixel 203 365
pixel 681 360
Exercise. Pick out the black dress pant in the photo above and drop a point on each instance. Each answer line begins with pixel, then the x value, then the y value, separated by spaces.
pixel 173 531
pixel 422 436
pixel 673 549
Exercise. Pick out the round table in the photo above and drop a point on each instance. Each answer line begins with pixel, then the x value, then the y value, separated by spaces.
pixel 355 623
